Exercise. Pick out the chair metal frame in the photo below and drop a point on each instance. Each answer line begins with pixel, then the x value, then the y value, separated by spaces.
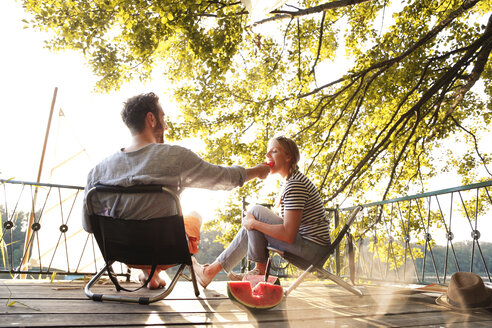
pixel 317 267
pixel 175 220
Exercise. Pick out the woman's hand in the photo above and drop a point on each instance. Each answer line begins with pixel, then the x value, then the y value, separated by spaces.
pixel 286 231
pixel 248 221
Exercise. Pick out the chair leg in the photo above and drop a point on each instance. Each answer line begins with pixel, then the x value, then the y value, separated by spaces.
pixel 336 279
pixel 298 280
pixel 193 280
pixel 169 289
pixel 185 276
pixel 127 298
pixel 268 266
pixel 339 281
pixel 87 288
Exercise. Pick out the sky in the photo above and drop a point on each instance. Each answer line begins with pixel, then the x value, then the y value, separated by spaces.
pixel 90 129
pixel 30 74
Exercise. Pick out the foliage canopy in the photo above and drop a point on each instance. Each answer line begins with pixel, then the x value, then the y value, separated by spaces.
pixel 374 126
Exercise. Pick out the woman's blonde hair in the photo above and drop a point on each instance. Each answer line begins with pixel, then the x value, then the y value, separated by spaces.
pixel 291 149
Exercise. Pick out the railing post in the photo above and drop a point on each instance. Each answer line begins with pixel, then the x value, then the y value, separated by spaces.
pixel 337 251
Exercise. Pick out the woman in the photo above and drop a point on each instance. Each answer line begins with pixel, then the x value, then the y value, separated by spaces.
pixel 301 229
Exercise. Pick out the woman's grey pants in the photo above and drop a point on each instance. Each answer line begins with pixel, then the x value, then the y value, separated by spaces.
pixel 254 243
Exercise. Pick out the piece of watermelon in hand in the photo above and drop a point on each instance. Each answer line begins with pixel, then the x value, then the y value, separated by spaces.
pixel 271 164
pixel 264 296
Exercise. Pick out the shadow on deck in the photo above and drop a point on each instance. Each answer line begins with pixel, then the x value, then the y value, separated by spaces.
pixel 30 303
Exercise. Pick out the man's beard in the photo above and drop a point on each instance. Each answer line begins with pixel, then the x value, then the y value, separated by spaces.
pixel 159 138
pixel 159 133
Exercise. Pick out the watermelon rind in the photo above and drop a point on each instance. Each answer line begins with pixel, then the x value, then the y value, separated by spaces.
pixel 255 299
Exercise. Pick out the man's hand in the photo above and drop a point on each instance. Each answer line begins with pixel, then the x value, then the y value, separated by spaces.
pixel 260 171
pixel 263 170
pixel 249 221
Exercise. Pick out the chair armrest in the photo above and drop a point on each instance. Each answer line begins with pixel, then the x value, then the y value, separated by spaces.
pixel 353 215
pixel 135 189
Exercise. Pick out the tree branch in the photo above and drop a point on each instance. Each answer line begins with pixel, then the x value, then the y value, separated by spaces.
pixel 474 142
pixel 283 14
pixel 402 151
pixel 299 51
pixel 360 100
pixel 320 43
pixel 430 35
pixel 481 61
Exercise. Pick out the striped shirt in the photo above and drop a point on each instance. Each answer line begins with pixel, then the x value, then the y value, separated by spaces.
pixel 299 193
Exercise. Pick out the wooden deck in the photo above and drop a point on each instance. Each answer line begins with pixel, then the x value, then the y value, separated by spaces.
pixel 38 303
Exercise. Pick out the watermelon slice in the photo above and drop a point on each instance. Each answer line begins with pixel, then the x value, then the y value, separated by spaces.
pixel 254 279
pixel 264 296
pixel 271 164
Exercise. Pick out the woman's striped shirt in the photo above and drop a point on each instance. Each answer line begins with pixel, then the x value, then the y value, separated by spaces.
pixel 299 193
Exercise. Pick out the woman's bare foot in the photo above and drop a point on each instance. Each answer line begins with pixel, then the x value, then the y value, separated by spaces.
pixel 156 281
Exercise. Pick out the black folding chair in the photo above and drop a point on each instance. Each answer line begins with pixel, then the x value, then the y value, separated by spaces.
pixel 317 265
pixel 152 242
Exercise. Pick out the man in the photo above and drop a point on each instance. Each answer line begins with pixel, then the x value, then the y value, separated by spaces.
pixel 147 160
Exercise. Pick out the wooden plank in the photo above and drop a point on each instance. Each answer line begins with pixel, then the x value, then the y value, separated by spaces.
pixel 86 320
pixel 474 324
pixel 182 290
pixel 293 308
pixel 381 302
pixel 296 318
pixel 74 306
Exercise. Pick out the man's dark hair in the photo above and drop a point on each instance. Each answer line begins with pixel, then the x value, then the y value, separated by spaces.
pixel 136 108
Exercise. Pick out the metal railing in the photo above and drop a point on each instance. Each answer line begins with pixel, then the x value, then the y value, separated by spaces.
pixel 42 234
pixel 415 239
pixel 425 238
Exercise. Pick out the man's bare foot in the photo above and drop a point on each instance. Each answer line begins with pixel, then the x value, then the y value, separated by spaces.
pixel 156 281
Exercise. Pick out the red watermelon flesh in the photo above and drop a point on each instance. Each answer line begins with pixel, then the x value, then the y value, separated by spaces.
pixel 254 279
pixel 264 296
